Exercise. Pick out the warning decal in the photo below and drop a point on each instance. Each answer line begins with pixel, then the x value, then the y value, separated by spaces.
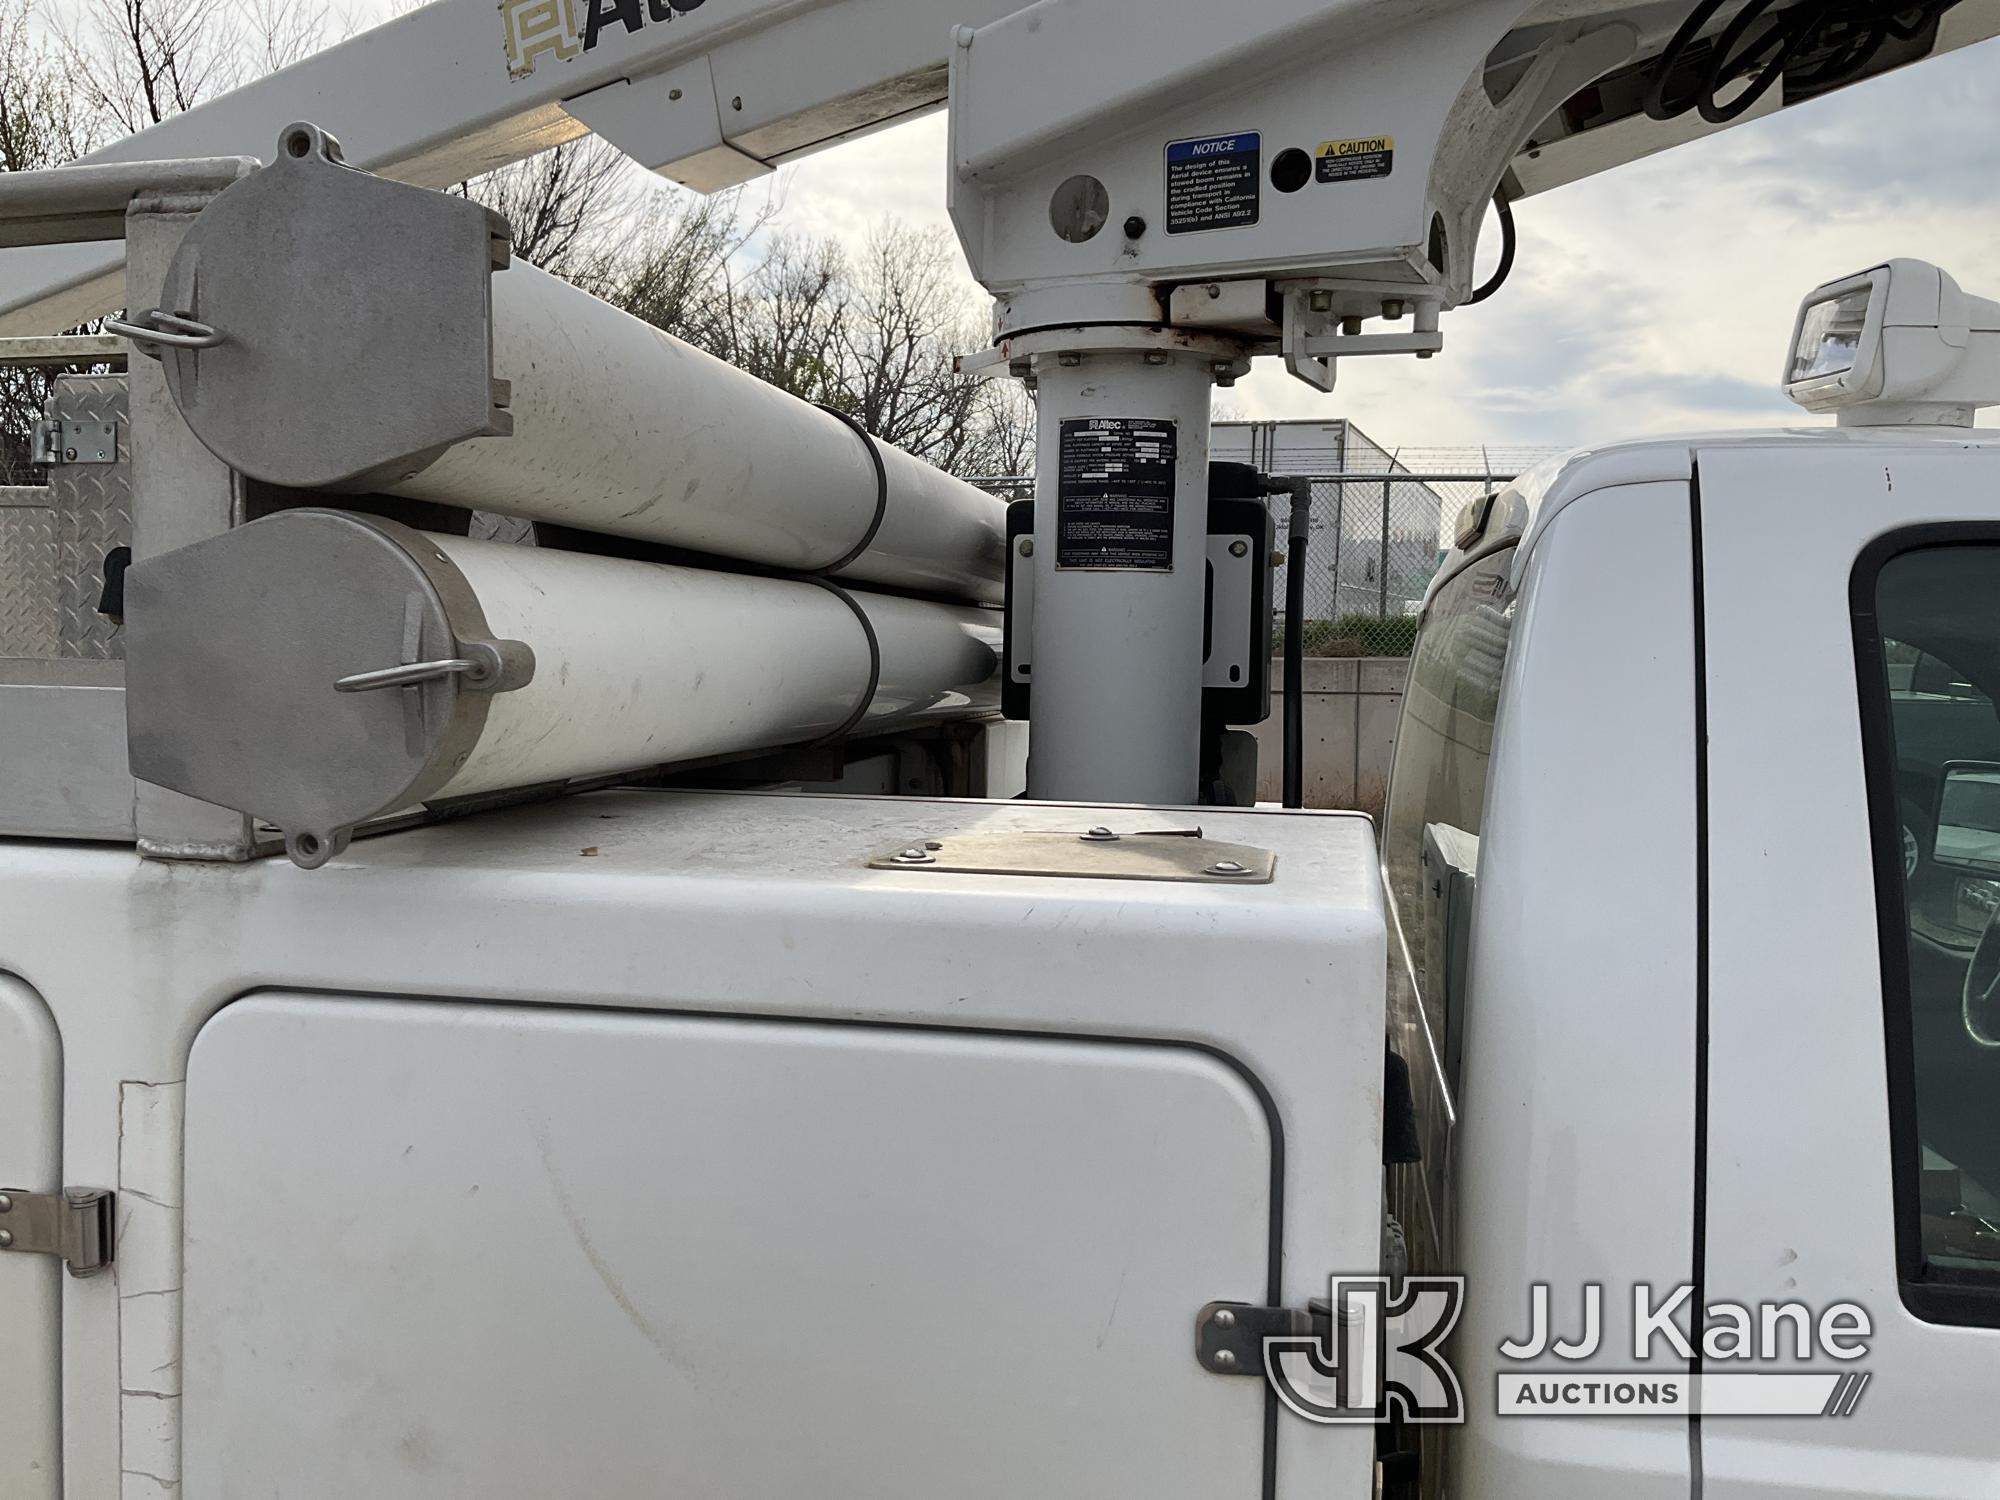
pixel 1215 182
pixel 1115 499
pixel 1350 161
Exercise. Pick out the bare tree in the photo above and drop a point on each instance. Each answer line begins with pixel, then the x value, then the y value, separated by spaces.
pixel 875 336
pixel 40 126
pixel 562 204
pixel 673 269
pixel 277 33
pixel 909 317
pixel 138 62
pixel 785 318
pixel 39 121
pixel 1003 441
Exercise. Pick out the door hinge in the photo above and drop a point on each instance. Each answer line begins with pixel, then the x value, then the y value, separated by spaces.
pixel 75 1224
pixel 1229 1336
pixel 73 443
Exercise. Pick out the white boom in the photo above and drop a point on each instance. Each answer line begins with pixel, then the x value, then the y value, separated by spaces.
pixel 715 92
pixel 708 94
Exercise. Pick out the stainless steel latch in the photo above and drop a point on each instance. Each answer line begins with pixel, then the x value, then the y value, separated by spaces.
pixel 75 1224
pixel 74 443
pixel 1229 1336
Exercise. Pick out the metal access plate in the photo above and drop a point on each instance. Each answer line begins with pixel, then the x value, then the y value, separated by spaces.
pixel 734 1256
pixel 1089 854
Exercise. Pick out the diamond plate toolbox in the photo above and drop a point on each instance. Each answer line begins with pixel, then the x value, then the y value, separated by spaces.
pixel 93 513
pixel 30 596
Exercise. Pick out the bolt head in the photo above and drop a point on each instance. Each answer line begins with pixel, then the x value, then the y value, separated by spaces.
pixel 6 1204
pixel 1069 361
pixel 1239 548
pixel 6 1238
pixel 1225 1359
pixel 1099 835
pixel 1224 1318
pixel 1228 867
pixel 1027 548
pixel 1155 357
pixel 1135 228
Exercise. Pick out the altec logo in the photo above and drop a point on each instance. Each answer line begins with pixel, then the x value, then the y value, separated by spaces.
pixel 1383 1355
pixel 563 29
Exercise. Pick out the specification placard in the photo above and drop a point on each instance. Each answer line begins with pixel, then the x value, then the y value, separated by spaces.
pixel 1214 183
pixel 1115 501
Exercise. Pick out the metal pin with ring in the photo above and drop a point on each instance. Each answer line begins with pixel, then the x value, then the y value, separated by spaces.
pixel 156 328
pixel 408 675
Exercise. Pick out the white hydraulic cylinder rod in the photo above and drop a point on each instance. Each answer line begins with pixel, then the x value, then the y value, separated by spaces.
pixel 621 428
pixel 639 664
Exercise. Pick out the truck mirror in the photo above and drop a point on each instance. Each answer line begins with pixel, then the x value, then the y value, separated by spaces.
pixel 1968 819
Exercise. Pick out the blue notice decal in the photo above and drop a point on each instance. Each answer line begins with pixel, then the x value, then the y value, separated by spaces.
pixel 1215 182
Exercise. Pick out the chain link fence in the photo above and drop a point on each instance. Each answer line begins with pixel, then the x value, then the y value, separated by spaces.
pixel 1378 537
pixel 1377 540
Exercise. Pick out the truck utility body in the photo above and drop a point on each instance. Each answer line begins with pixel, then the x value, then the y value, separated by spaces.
pixel 649 1133
pixel 656 1138
pixel 537 960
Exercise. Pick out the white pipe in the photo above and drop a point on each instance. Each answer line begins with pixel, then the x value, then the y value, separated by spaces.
pixel 639 664
pixel 621 428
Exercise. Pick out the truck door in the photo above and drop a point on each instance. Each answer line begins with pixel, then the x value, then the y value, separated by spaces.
pixel 1852 1068
pixel 30 1285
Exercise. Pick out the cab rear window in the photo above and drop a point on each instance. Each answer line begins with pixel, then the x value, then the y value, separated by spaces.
pixel 1927 633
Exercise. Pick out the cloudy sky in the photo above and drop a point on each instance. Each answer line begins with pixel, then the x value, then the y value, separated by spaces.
pixel 1654 299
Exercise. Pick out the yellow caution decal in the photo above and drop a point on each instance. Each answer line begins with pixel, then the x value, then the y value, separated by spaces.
pixel 1352 161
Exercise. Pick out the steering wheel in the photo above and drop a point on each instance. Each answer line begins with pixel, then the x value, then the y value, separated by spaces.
pixel 1982 987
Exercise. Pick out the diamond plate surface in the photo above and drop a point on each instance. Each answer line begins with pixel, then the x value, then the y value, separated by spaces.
pixel 485 526
pixel 29 580
pixel 93 504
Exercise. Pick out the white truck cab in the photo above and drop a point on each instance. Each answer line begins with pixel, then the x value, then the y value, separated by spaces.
pixel 1688 839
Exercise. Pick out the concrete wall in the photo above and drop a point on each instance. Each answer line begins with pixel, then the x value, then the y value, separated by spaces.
pixel 1351 710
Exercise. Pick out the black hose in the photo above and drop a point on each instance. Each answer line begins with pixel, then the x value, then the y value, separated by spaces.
pixel 1299 536
pixel 1823 43
pixel 1509 243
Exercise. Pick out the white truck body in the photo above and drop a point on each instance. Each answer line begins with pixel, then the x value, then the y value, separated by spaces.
pixel 746 1143
pixel 647 1138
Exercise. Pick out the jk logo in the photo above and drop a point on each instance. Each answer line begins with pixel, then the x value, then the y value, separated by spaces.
pixel 1380 1355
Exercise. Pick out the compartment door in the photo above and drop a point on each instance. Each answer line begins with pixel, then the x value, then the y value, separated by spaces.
pixel 442 1248
pixel 30 1285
